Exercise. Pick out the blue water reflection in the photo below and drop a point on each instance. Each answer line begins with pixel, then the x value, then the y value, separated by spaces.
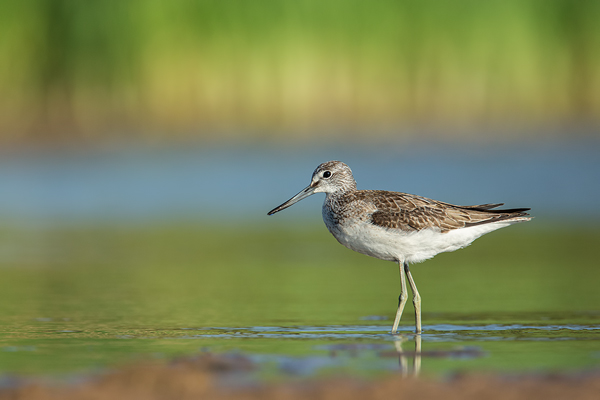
pixel 222 183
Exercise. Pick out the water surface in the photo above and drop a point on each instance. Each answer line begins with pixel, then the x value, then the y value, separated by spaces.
pixel 225 184
pixel 75 300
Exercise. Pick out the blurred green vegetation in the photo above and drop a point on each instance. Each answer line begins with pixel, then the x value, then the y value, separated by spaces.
pixel 90 69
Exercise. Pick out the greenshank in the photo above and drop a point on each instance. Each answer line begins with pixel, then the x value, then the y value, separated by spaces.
pixel 398 227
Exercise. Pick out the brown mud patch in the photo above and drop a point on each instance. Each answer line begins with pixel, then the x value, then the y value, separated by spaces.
pixel 202 378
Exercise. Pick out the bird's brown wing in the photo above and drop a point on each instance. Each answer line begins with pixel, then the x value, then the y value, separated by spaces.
pixel 413 213
pixel 484 206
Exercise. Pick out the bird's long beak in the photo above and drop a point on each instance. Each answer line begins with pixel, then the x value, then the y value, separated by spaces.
pixel 307 191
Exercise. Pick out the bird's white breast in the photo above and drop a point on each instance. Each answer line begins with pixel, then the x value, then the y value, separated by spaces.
pixel 398 245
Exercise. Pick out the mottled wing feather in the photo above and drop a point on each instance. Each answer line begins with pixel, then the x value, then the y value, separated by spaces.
pixel 415 220
pixel 484 206
pixel 412 213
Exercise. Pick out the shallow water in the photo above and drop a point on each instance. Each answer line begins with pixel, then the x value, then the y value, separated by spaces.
pixel 228 184
pixel 79 300
pixel 305 351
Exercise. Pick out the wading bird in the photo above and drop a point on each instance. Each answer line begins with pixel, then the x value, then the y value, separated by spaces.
pixel 398 227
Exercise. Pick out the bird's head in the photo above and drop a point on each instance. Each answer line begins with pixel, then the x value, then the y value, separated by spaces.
pixel 329 177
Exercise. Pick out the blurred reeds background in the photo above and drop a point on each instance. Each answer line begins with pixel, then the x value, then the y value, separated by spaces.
pixel 292 70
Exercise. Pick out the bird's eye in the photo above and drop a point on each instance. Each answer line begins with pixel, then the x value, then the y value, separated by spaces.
pixel 326 174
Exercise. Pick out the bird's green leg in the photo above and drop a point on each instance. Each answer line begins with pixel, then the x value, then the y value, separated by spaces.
pixel 416 297
pixel 401 300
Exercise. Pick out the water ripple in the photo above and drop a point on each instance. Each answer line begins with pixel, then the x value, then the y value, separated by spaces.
pixel 440 332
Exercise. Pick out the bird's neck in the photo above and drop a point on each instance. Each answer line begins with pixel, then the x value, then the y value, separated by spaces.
pixel 340 193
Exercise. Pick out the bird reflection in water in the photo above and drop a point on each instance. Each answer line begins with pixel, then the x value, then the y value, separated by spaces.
pixel 403 356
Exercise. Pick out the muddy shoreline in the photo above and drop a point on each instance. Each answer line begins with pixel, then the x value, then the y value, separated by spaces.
pixel 210 376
